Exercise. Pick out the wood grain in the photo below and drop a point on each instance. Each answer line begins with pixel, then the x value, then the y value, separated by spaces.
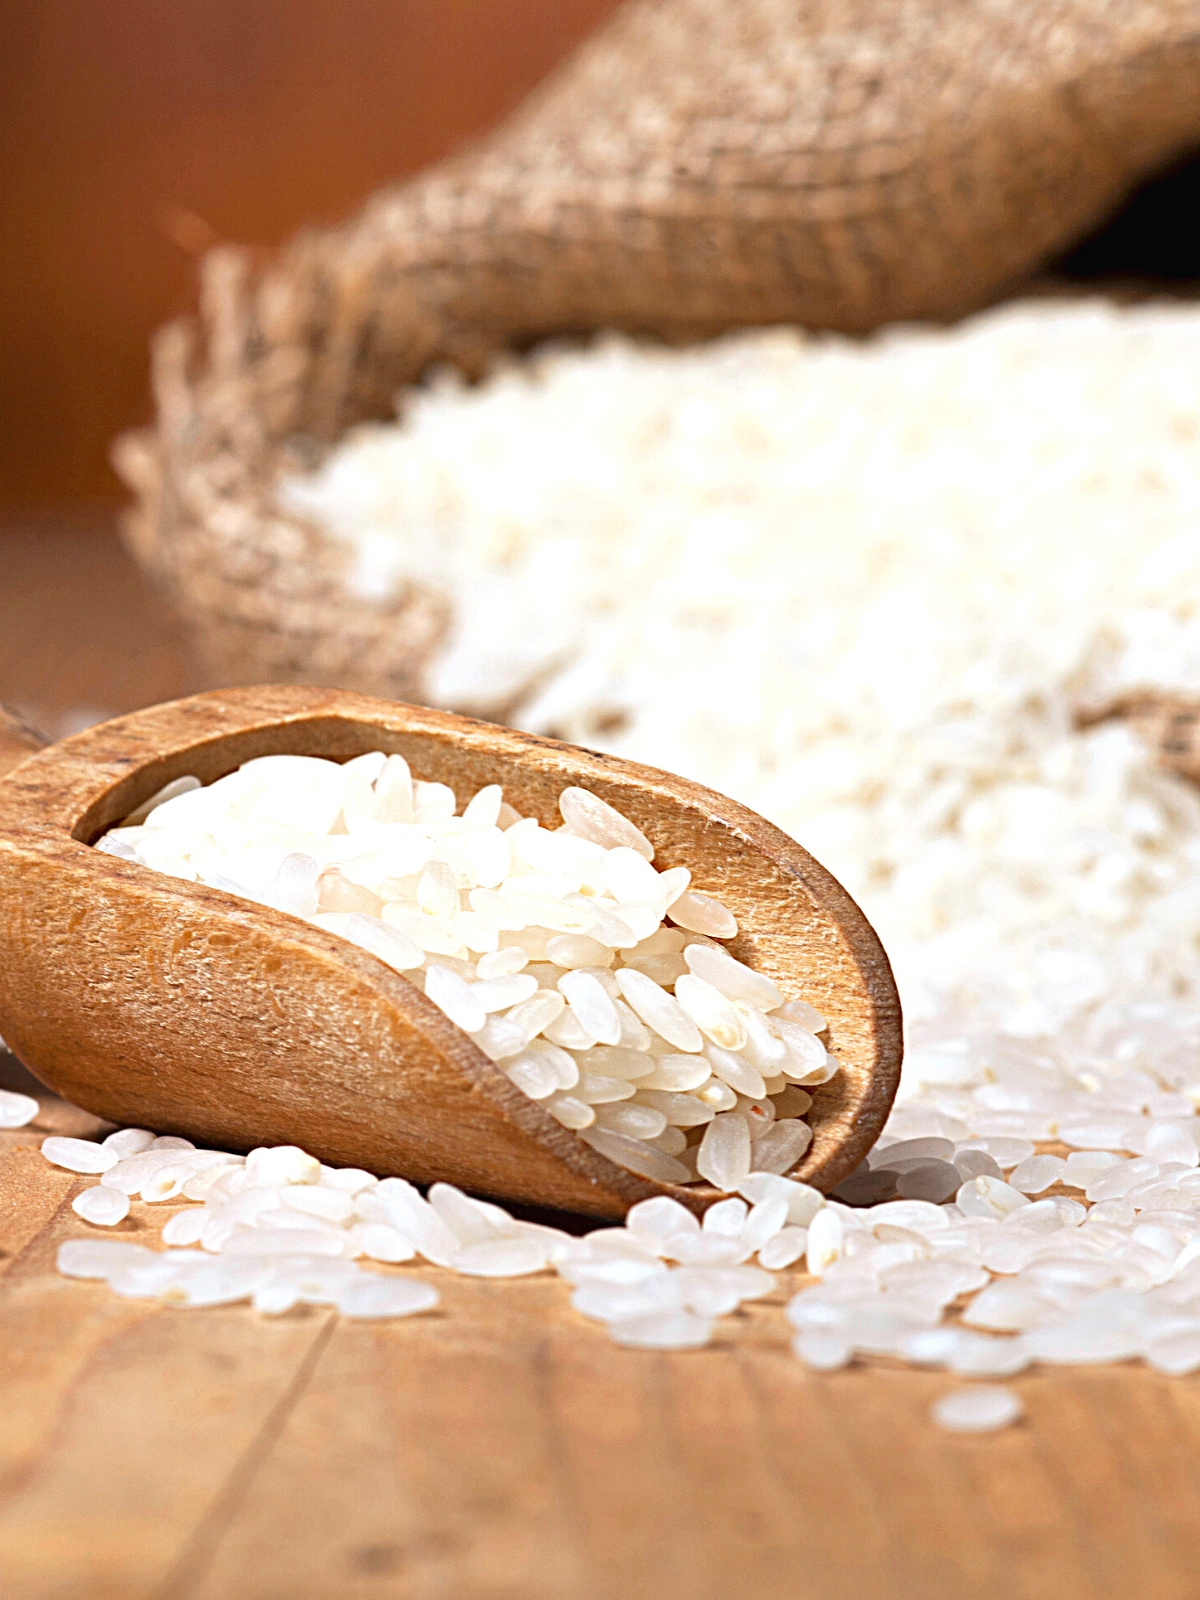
pixel 143 997
pixel 18 738
pixel 82 635
pixel 504 1449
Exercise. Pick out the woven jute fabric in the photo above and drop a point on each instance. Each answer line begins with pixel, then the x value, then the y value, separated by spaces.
pixel 697 165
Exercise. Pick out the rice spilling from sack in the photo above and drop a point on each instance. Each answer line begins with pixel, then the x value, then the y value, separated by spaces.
pixel 598 984
pixel 862 587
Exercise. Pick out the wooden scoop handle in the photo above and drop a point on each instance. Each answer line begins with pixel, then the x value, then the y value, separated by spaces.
pixel 17 739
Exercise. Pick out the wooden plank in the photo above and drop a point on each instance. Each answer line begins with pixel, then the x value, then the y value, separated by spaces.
pixel 31 1191
pixel 81 632
pixel 124 1421
pixel 505 1449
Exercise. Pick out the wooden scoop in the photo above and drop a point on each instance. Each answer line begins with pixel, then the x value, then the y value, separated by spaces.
pixel 165 1004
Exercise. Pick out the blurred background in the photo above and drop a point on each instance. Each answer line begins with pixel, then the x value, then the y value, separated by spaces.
pixel 136 135
pixel 139 134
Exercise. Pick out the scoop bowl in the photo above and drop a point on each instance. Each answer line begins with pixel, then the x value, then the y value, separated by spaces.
pixel 150 1000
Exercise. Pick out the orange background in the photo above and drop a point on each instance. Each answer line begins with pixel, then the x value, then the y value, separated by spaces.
pixel 135 130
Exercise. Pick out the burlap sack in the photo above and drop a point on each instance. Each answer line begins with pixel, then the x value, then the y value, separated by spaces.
pixel 697 165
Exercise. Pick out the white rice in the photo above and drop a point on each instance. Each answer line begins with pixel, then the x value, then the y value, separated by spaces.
pixel 863 587
pixel 477 910
pixel 104 1207
pixel 16 1110
pixel 1036 1277
pixel 278 1228
pixel 978 1410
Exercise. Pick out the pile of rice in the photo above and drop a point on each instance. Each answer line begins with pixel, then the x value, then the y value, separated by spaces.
pixel 597 983
pixel 862 587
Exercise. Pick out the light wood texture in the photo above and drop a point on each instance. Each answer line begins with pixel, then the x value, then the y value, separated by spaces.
pixel 173 1005
pixel 18 738
pixel 505 1449
pixel 81 632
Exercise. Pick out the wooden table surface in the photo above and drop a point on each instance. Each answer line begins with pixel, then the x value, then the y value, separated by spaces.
pixel 504 1448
